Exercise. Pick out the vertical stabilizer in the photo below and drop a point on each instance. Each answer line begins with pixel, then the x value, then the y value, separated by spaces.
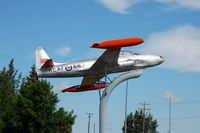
pixel 42 59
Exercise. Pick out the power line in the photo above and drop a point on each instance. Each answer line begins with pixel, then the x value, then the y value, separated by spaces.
pixel 189 117
pixel 165 103
pixel 178 103
pixel 182 118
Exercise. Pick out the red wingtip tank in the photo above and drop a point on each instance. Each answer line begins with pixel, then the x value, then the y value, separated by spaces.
pixel 118 43
pixel 78 88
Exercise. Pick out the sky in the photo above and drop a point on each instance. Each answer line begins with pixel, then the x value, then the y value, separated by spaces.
pixel 66 29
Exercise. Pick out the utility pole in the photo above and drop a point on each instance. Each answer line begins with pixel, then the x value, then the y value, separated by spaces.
pixel 144 111
pixel 125 124
pixel 89 116
pixel 94 128
pixel 170 114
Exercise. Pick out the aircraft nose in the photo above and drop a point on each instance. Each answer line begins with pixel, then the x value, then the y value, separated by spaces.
pixel 161 60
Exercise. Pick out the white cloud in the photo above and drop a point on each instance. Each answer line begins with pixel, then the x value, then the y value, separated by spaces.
pixel 174 99
pixel 60 86
pixel 190 4
pixel 119 6
pixel 63 51
pixel 180 46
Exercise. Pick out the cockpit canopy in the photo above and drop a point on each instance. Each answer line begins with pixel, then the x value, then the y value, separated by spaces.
pixel 127 53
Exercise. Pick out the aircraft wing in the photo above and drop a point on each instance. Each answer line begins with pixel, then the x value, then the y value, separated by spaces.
pixel 107 60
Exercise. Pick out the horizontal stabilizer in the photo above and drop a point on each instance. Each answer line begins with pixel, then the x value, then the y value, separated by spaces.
pixel 48 63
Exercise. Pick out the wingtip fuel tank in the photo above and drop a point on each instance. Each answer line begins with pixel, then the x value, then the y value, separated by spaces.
pixel 79 88
pixel 118 43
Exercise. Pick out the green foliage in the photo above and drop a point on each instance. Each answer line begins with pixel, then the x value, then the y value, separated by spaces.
pixel 33 108
pixel 135 123
pixel 63 120
pixel 36 103
pixel 9 83
pixel 32 76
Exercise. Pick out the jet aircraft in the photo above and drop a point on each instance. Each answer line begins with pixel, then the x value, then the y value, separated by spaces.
pixel 113 60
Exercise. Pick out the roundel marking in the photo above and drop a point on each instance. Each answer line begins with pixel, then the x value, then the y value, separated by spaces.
pixel 68 68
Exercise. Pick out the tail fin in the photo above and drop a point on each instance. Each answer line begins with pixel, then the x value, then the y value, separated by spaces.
pixel 42 59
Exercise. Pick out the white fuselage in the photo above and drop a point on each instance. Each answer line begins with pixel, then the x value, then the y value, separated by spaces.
pixel 126 61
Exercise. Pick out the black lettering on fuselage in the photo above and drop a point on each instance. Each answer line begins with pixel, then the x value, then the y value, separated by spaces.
pixel 56 69
pixel 76 66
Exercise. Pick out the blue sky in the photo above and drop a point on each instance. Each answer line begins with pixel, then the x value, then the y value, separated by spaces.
pixel 66 29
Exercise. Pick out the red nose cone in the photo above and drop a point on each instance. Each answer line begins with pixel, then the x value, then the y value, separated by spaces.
pixel 118 43
pixel 141 40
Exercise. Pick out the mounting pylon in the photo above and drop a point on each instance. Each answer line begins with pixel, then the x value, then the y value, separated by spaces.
pixel 106 93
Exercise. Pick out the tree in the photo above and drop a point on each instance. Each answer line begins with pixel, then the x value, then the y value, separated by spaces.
pixel 9 83
pixel 32 76
pixel 36 104
pixel 30 106
pixel 135 123
pixel 63 121
pixel 37 110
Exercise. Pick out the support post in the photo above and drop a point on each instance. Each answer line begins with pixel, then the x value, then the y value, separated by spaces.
pixel 106 94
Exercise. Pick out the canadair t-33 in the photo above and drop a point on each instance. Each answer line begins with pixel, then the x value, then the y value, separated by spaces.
pixel 113 60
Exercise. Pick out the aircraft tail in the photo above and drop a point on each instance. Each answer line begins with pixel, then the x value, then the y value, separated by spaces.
pixel 42 59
